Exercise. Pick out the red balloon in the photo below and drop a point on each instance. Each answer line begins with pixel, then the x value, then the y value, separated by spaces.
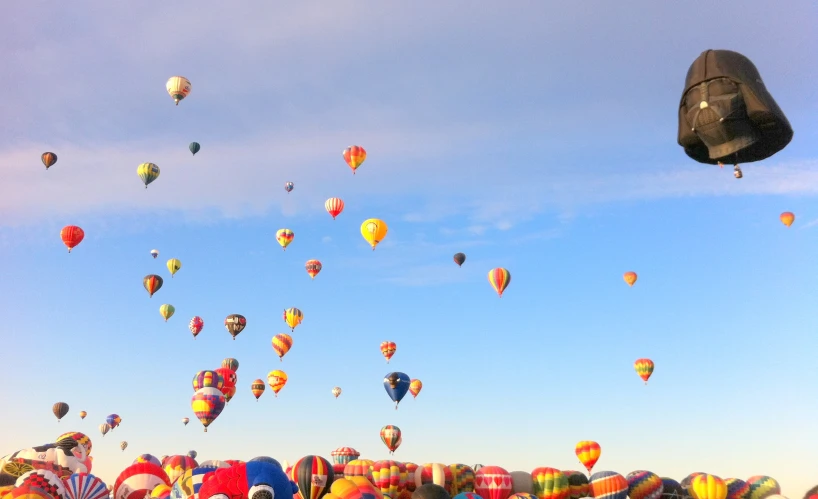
pixel 71 236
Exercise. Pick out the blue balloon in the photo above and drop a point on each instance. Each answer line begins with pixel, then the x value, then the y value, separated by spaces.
pixel 397 386
pixel 265 459
pixel 194 147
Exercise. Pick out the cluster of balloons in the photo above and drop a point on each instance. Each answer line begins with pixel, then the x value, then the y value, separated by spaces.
pixel 213 390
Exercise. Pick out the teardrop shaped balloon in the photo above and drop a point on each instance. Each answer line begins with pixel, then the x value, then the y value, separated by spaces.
pixel 354 156
pixel 194 148
pixel 207 403
pixel 196 325
pixel 630 278
pixel 374 230
pixel 289 186
pixel 644 368
pixel 154 253
pixel 60 409
pixel 178 87
pixel 787 218
pixel 282 344
pixel 334 206
pixel 499 279
pixel 174 265
pixel 257 387
pixel 313 268
pixel 284 237
pixel 459 259
pixel 48 159
pixel 148 172
pixel 391 437
pixel 415 386
pixel 104 428
pixel 71 236
pixel 336 391
pixel 293 317
pixel 83 414
pixel 388 349
pixel 152 283
pixel 588 453
pixel 396 385
pixel 276 379
pixel 235 324
pixel 167 310
pixel 185 421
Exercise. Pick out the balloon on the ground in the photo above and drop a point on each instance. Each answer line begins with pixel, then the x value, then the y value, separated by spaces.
pixel 492 482
pixel 609 484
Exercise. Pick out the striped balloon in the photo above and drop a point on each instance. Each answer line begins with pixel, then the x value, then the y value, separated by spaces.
pixel 85 486
pixel 644 485
pixel 608 485
pixel 314 475
pixel 359 467
pixel 343 455
pixel 282 343
pixel 708 487
pixel 354 156
pixel 205 379
pixel 207 403
pixel 493 482
pixel 499 279
pixel 578 484
pixel 334 207
pixel 389 476
pixel 436 473
pixel 737 489
pixel 644 368
pixel 411 469
pixel 588 453
pixel 550 483
pixel 762 487
pixel 462 475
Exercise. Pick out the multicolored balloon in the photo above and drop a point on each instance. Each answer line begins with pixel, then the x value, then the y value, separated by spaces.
pixel 276 379
pixel 166 311
pixel 388 349
pixel 207 403
pixel 391 437
pixel 313 268
pixel 235 324
pixel 644 368
pixel 499 278
pixel 152 283
pixel 608 485
pixel 493 482
pixel 588 453
pixel 208 379
pixel 185 421
pixel 354 156
pixel 178 87
pixel 644 485
pixel 415 386
pixel 289 186
pixel 314 475
pixel 196 325
pixel 257 387
pixel 284 237
pixel 147 172
pixel 282 343
pixel 550 483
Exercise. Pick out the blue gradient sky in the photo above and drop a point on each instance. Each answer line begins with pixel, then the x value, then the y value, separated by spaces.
pixel 537 136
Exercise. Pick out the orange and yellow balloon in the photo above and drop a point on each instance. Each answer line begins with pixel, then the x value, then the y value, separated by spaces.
pixel 499 279
pixel 313 268
pixel 415 386
pixel 284 238
pixel 276 379
pixel 257 387
pixel 630 278
pixel 282 343
pixel 787 218
pixel 374 230
pixel 354 156
pixel 644 368
pixel 588 453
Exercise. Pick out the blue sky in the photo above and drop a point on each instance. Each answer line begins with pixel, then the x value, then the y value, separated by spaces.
pixel 536 136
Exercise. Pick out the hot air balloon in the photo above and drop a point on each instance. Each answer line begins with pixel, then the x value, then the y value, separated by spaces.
pixel 644 368
pixel 148 172
pixel 630 278
pixel 83 414
pixel 293 317
pixel 578 484
pixel 257 387
pixel 314 475
pixel 389 476
pixel 284 238
pixel 736 488
pixel 48 158
pixel 207 403
pixel 230 380
pixel 173 266
pixel 354 487
pixel 361 468
pixel 462 479
pixel 414 387
pixel 499 279
pixel 336 391
pixel 644 485
pixel 391 437
pixel 588 453
pixel 71 236
pixel 787 218
pixel 84 486
pixel 282 344
pixel 152 283
pixel 113 420
pixel 550 483
pixel 104 428
pixel 459 259
pixel 196 325
pixel 609 485
pixel 235 324
pixel 763 487
pixel 388 349
pixel 154 253
pixel 276 379
pixel 123 445
pixel 208 378
pixel 167 310
pixel 185 421
pixel 194 147
pixel 396 385
pixel 289 186
pixel 492 482
pixel 178 87
pixel 354 156
pixel 230 363
pixel 374 230
pixel 60 409
pixel 334 206
pixel 708 487
pixel 313 267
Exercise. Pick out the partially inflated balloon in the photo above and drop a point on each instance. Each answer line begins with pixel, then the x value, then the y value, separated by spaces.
pixel 644 485
pixel 178 87
pixel 355 487
pixel 608 485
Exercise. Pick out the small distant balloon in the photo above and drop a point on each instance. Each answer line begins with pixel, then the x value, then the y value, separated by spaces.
pixel 257 387
pixel 83 414
pixel 167 310
pixel 354 156
pixel 787 218
pixel 499 279
pixel 60 409
pixel 336 391
pixel 313 268
pixel 194 147
pixel 374 230
pixel 459 259
pixel 48 158
pixel 644 368
pixel 152 283
pixel 415 386
pixel 196 325
pixel 174 264
pixel 71 236
pixel 154 253
pixel 284 238
pixel 334 206
pixel 282 344
pixel 148 172
pixel 185 421
pixel 630 278
pixel 289 186
pixel 235 324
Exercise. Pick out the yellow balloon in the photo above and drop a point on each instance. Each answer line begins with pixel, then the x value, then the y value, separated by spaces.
pixel 708 487
pixel 374 230
pixel 174 265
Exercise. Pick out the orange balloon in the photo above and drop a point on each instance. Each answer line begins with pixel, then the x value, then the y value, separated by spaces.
pixel 630 278
pixel 787 218
pixel 588 453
